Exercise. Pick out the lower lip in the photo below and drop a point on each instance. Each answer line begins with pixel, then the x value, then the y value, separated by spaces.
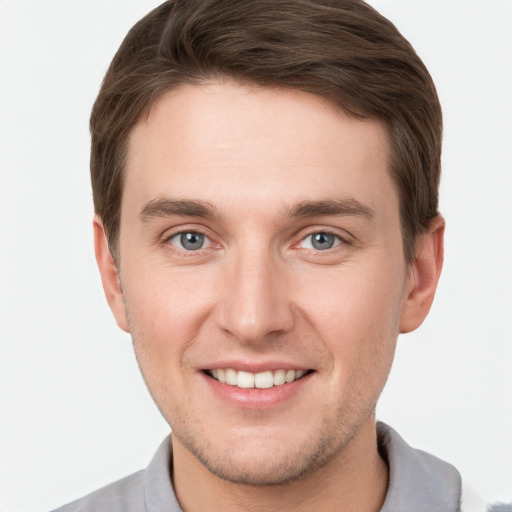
pixel 255 398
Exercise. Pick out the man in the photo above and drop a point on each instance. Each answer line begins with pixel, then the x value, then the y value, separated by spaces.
pixel 265 180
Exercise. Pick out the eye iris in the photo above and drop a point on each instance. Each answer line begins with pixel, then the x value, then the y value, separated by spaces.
pixel 192 241
pixel 322 241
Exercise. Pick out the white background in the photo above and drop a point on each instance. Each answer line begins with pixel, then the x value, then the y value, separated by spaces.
pixel 74 413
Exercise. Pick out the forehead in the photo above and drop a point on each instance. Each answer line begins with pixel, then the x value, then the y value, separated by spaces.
pixel 228 142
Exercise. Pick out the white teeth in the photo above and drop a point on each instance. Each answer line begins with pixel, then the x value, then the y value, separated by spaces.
pixel 262 380
pixel 279 377
pixel 290 376
pixel 231 377
pixel 245 380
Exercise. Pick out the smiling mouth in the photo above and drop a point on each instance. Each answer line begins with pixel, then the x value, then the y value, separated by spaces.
pixel 262 380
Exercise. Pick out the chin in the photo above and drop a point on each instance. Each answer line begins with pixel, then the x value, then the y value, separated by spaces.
pixel 267 461
pixel 268 469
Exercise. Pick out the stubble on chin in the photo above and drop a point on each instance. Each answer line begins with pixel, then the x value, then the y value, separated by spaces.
pixel 270 467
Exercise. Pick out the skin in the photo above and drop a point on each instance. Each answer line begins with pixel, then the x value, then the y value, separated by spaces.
pixel 258 294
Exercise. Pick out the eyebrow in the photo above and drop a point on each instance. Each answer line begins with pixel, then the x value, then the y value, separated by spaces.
pixel 331 207
pixel 168 207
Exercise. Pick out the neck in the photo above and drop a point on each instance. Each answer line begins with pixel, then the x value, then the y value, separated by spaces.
pixel 356 479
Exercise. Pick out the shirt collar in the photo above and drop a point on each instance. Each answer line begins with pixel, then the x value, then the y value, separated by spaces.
pixel 158 490
pixel 417 480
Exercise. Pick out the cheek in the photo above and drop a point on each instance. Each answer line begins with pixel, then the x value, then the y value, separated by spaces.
pixel 356 314
pixel 165 312
pixel 168 306
pixel 363 297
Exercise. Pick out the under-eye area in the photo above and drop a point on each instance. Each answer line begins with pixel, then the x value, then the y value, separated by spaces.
pixel 262 380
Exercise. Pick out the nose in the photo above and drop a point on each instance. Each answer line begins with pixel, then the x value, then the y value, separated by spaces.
pixel 256 306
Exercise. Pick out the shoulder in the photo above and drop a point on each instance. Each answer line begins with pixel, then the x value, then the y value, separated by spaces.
pixel 125 495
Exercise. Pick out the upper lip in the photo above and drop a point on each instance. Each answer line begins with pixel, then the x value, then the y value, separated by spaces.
pixel 255 367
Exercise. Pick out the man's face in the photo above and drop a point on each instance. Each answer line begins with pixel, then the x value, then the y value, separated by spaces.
pixel 259 235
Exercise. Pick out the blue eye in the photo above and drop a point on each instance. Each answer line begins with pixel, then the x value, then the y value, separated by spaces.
pixel 321 241
pixel 190 241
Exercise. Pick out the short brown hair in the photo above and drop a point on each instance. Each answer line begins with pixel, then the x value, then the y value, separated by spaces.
pixel 342 50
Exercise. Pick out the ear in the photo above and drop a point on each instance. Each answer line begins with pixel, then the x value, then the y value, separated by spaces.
pixel 423 276
pixel 109 275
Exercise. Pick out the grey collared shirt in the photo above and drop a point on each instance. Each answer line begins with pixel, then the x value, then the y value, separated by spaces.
pixel 419 482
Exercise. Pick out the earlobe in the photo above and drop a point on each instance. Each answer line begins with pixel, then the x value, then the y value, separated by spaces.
pixel 423 277
pixel 109 275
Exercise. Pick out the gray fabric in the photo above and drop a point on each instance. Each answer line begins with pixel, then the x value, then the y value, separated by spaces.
pixel 500 507
pixel 419 482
